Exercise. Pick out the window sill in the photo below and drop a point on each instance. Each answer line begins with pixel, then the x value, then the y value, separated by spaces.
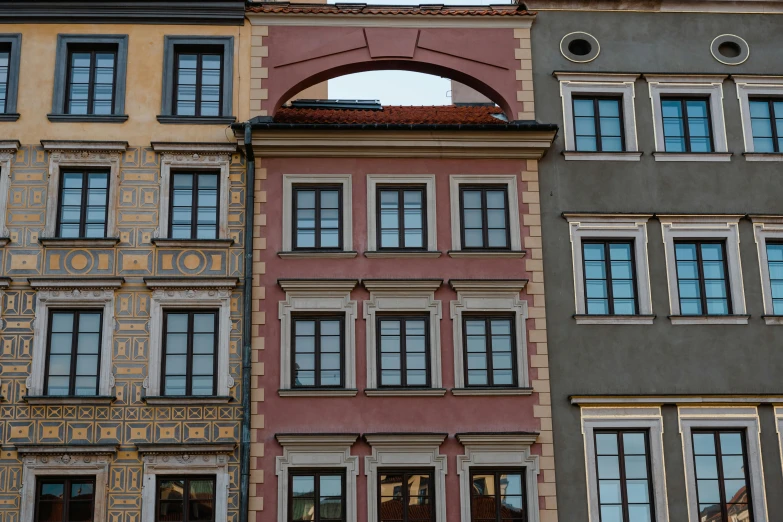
pixel 773 320
pixel 405 392
pixel 572 155
pixel 192 243
pixel 4 241
pixel 102 400
pixel 506 254
pixel 387 254
pixel 79 241
pixel 318 254
pixel 196 120
pixel 9 116
pixel 318 392
pixel 90 118
pixel 692 156
pixel 763 156
pixel 614 319
pixel 185 400
pixel 491 391
pixel 709 319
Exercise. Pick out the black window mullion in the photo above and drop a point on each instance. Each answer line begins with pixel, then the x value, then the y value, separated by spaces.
pixel 403 352
pixel 175 93
pixel 702 285
pixel 721 476
pixel 197 110
pixel 189 358
pixel 74 353
pixel 726 279
pixel 609 276
pixel 496 480
pixel 685 124
pixel 773 124
pixel 484 219
pixel 597 125
pixel 91 83
pixel 194 207
pixel 401 218
pixel 317 352
pixel 488 345
pixel 623 478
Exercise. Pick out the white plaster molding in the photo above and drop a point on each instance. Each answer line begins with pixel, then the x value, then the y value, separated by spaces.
pixel 689 85
pixel 748 86
pixel 455 180
pixel 635 400
pixel 766 228
pixel 411 451
pixel 322 296
pixel 725 417
pixel 316 451
pixel 289 180
pixel 696 156
pixel 402 296
pixel 571 155
pixel 717 227
pixel 428 180
pixel 779 429
pixel 7 152
pixel 623 418
pixel 498 451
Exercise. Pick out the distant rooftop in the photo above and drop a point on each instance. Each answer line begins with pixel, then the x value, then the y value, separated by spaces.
pixel 365 105
pixel 364 9
pixel 315 113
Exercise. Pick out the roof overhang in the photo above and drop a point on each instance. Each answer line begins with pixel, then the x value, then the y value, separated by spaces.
pixel 662 6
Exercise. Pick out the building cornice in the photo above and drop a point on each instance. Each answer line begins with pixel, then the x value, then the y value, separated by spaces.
pixel 662 6
pixel 84 146
pixel 488 285
pixel 318 285
pixel 405 439
pixel 193 147
pixel 320 439
pixel 9 146
pixel 65 449
pixel 106 283
pixel 404 285
pixel 189 449
pixel 657 400
pixel 391 20
pixel 496 439
pixel 189 283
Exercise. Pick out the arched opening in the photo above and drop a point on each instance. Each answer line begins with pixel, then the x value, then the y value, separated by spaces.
pixel 392 88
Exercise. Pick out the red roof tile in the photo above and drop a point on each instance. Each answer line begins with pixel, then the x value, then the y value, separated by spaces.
pixel 432 115
pixel 363 9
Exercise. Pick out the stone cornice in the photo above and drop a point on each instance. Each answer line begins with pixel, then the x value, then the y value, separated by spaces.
pixel 9 146
pixel 390 20
pixel 57 449
pixel 572 76
pixel 402 285
pixel 194 147
pixel 320 439
pixel 405 439
pixel 103 283
pixel 488 285
pixel 657 400
pixel 318 285
pixel 84 146
pixel 189 283
pixel 733 7
pixel 497 439
pixel 188 449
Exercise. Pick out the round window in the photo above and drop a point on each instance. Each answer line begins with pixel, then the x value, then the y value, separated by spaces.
pixel 580 47
pixel 730 49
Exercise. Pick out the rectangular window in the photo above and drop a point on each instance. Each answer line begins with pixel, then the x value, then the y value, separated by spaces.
pixel 402 218
pixel 722 482
pixel 775 264
pixel 403 351
pixel 84 201
pixel 194 205
pixel 185 499
pixel 490 351
pixel 65 499
pixel 598 124
pixel 5 74
pixel 625 490
pixel 189 352
pixel 686 124
pixel 497 496
pixel 610 281
pixel 318 347
pixel 702 278
pixel 198 80
pixel 316 496
pixel 406 496
pixel 484 212
pixel 766 120
pixel 90 80
pixel 73 359
pixel 317 217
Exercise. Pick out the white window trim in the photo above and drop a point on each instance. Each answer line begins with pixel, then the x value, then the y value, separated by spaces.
pixel 84 154
pixel 185 459
pixel 190 294
pixel 193 157
pixel 455 180
pixel 373 180
pixel 600 84
pixel 325 296
pixel 69 295
pixel 402 296
pixel 501 296
pixel 8 150
pixel 395 450
pixel 68 461
pixel 779 429
pixel 766 228
pixel 754 86
pixel 316 451
pixel 727 417
pixel 491 450
pixel 620 418
pixel 711 85
pixel 289 180
pixel 611 227
pixel 718 227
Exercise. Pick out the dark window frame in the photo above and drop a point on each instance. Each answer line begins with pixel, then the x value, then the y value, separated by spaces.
pixel 92 50
pixel 316 473
pixel 191 312
pixel 317 188
pixel 700 267
pixel 194 207
pixel 770 100
pixel 186 489
pixel 686 128
pixel 318 318
pixel 597 117
pixel 406 472
pixel 13 42
pixel 488 353
pixel 484 224
pixel 496 472
pixel 610 294
pixel 401 189
pixel 770 279
pixel 403 344
pixel 74 347
pixel 83 206
pixel 40 480
pixel 200 51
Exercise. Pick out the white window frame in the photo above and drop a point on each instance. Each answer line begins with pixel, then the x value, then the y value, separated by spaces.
pixel 324 296
pixel 193 157
pixel 724 417
pixel 289 180
pixel 373 180
pixel 599 85
pixel 185 459
pixel 88 155
pixel 190 294
pixel 395 295
pixel 767 228
pixel 405 451
pixel 611 227
pixel 455 180
pixel 491 297
pixel 69 295
pixel 690 85
pixel 316 451
pixel 748 86
pixel 623 418
pixel 8 150
pixel 715 227
pixel 65 461
pixel 779 429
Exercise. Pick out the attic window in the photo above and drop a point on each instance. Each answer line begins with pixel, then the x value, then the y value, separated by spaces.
pixel 580 47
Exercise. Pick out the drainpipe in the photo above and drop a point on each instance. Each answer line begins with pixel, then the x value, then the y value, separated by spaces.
pixel 247 329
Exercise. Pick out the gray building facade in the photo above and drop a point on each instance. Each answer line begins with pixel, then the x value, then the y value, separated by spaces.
pixel 662 216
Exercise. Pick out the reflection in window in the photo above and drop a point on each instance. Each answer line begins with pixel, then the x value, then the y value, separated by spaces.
pixel 484 217
pixel 194 206
pixel 198 83
pixel 73 362
pixel 186 499
pixel 404 349
pixel 766 120
pixel 317 218
pixel 84 200
pixel 498 496
pixel 490 351
pixel 318 351
pixel 402 218
pixel 686 125
pixel 702 278
pixel 609 277
pixel 624 482
pixel 317 496
pixel 5 72
pixel 189 352
pixel 65 499
pixel 775 264
pixel 722 484
pixel 406 496
pixel 598 124
pixel 90 81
